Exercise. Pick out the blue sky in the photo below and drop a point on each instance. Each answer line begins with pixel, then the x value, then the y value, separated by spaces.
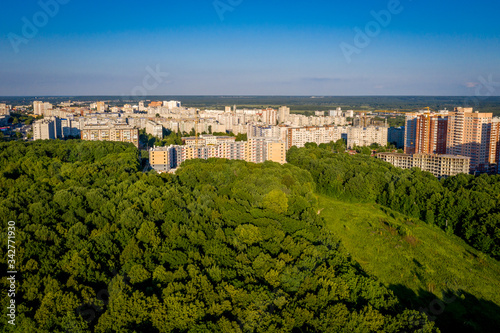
pixel 249 47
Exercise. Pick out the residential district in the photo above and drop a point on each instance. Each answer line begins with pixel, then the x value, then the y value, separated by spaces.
pixel 444 143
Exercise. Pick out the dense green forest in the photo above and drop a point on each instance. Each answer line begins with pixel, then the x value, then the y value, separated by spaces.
pixel 222 246
pixel 464 205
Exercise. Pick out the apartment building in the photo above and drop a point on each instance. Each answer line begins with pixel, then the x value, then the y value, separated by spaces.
pixel 164 159
pixel 276 151
pixel 469 135
pixel 70 128
pixel 426 132
pixel 494 153
pixel 269 116
pixel 171 104
pixel 154 129
pixel 299 136
pixel 396 135
pixel 439 165
pixel 4 110
pixel 365 136
pixel 283 113
pixel 47 129
pixel 110 132
pixel 207 139
pixel 40 108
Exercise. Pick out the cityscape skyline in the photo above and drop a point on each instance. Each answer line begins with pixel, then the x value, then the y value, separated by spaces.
pixel 222 47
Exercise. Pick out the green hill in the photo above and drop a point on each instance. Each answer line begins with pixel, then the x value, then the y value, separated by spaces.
pixel 427 269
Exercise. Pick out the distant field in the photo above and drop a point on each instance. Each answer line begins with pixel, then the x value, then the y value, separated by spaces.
pixel 419 262
pixel 296 103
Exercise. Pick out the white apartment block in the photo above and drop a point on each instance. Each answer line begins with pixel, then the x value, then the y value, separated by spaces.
pixel 269 116
pixel 154 129
pixel 299 136
pixel 47 129
pixel 70 127
pixel 283 114
pixel 171 104
pixel 40 108
pixel 365 136
pixel 260 131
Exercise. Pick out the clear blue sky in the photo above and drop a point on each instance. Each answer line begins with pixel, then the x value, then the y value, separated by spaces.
pixel 270 47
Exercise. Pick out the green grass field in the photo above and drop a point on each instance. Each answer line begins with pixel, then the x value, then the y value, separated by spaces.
pixel 420 262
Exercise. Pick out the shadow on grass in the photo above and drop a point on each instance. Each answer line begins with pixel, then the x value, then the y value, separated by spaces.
pixel 455 311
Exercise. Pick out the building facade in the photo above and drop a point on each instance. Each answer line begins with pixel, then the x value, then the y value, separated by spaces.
pixel 469 134
pixel 365 136
pixel 47 129
pixel 110 132
pixel 40 108
pixel 154 129
pixel 257 150
pixel 439 165
pixel 426 132
pixel 396 136
pixel 299 136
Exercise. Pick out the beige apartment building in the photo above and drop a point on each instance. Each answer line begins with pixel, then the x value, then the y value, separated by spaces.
pixel 4 110
pixel 276 152
pixel 164 159
pixel 469 135
pixel 439 165
pixel 111 132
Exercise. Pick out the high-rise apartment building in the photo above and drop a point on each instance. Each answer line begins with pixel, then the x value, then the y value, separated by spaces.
pixel 40 108
pixel 141 106
pixel 494 158
pixel 426 132
pixel 460 132
pixel 47 129
pixel 283 113
pixel 269 116
pixel 154 129
pixel 469 135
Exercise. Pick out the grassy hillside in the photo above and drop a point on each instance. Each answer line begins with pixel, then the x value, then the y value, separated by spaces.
pixel 429 270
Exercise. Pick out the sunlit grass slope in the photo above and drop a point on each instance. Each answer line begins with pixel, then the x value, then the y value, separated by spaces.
pixel 419 262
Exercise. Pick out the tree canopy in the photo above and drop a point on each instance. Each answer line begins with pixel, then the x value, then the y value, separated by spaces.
pixel 222 246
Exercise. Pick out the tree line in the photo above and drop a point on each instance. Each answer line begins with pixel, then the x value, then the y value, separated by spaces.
pixel 465 205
